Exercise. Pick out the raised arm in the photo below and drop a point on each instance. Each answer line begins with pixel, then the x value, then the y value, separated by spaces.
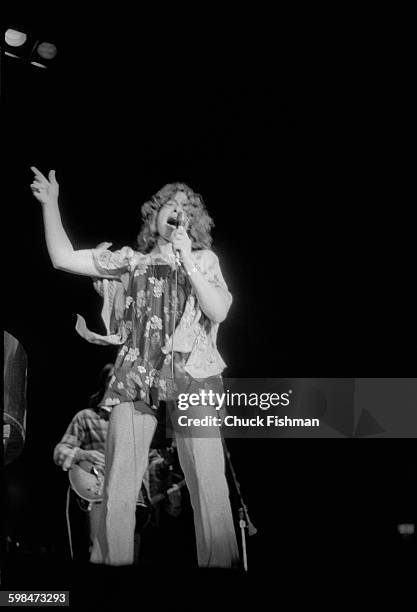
pixel 60 249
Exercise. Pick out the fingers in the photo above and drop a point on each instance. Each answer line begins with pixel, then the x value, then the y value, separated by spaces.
pixel 179 234
pixel 97 455
pixel 104 245
pixel 178 245
pixel 38 190
pixel 98 458
pixel 127 252
pixel 181 241
pixel 38 174
pixel 180 231
pixel 41 178
pixel 37 184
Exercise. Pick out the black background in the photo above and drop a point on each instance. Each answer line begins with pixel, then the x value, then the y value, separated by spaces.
pixel 299 146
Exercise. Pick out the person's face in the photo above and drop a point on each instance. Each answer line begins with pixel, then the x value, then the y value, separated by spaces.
pixel 167 216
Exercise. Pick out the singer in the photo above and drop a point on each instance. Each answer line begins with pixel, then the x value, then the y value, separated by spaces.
pixel 163 304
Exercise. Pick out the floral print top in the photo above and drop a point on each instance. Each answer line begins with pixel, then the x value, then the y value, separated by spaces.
pixel 156 316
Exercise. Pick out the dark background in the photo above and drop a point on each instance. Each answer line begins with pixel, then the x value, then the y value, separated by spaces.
pixel 299 147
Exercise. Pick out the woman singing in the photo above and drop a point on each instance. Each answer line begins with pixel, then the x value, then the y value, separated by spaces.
pixel 163 304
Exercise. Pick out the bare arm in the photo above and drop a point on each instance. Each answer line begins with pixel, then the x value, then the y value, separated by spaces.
pixel 214 301
pixel 60 249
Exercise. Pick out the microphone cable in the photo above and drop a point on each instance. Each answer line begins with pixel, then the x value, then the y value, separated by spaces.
pixel 180 223
pixel 68 522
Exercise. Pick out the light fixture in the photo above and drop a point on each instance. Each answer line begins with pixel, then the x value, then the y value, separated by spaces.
pixel 14 38
pixel 29 48
pixel 44 53
pixel 406 530
pixel 17 44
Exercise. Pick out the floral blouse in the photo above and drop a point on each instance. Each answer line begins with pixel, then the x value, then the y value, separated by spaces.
pixel 154 314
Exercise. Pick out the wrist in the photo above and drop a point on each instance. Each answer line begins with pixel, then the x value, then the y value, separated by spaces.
pixel 50 203
pixel 190 266
pixel 187 260
pixel 79 455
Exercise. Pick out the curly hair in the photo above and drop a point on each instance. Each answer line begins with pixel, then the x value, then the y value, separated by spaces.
pixel 200 222
pixel 102 381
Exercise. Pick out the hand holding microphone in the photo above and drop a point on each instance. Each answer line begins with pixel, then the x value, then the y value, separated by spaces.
pixel 181 242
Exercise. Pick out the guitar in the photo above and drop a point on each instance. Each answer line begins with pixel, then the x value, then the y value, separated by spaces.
pixel 87 482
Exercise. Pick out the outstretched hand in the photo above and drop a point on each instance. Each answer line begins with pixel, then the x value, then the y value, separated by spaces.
pixel 44 190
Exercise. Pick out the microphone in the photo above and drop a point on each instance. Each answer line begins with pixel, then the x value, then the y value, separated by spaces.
pixel 179 223
pixel 180 220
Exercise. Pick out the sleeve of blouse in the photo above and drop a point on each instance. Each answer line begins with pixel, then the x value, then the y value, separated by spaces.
pixel 112 263
pixel 212 272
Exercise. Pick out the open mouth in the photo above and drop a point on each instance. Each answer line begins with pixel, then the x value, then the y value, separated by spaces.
pixel 173 221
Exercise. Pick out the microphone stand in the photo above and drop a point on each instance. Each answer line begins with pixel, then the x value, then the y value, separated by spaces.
pixel 177 266
pixel 244 520
pixel 180 220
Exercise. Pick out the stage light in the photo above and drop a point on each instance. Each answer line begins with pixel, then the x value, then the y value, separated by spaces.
pixel 18 45
pixel 406 529
pixel 47 50
pixel 28 47
pixel 45 53
pixel 14 38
